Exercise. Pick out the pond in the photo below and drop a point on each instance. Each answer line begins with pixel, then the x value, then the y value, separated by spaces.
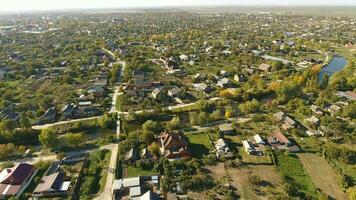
pixel 336 64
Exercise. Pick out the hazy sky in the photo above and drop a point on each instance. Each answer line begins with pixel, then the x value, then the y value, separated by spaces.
pixel 19 5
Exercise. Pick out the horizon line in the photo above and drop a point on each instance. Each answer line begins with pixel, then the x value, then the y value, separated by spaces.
pixel 29 11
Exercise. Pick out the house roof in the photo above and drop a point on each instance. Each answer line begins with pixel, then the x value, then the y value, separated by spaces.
pixel 258 138
pixel 135 191
pixel 51 182
pixel 149 195
pixel 173 139
pixel 289 120
pixel 175 90
pixel 131 182
pixel 279 115
pixel 312 119
pixel 226 127
pixel 280 137
pixel 264 66
pixel 17 174
pixel 12 179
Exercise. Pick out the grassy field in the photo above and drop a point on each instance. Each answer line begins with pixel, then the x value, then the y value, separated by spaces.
pixel 199 144
pixel 132 171
pixel 254 159
pixel 294 173
pixel 322 175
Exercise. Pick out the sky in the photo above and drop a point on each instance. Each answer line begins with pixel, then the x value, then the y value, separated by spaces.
pixel 28 5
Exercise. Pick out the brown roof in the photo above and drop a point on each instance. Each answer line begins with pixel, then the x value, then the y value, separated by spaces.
pixel 12 183
pixel 173 139
pixel 51 182
pixel 175 145
pixel 18 174
pixel 281 138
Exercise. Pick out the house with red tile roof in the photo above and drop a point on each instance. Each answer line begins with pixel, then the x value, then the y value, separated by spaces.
pixel 173 145
pixel 14 180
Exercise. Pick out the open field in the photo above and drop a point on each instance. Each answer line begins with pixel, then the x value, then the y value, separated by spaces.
pixel 322 175
pixel 255 181
pixel 251 181
pixel 132 171
pixel 294 173
pixel 199 144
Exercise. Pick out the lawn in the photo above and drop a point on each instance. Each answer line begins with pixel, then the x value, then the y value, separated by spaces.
pixel 254 159
pixel 199 144
pixel 95 173
pixel 294 173
pixel 133 171
pixel 322 174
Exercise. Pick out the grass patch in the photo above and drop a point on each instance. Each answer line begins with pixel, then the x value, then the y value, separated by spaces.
pixel 254 159
pixel 293 172
pixel 133 171
pixel 104 173
pixel 94 175
pixel 199 144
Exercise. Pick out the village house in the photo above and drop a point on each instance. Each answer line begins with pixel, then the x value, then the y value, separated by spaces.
pixel 52 185
pixel 13 181
pixel 134 188
pixel 279 116
pixel 96 91
pixel 132 155
pixel 155 93
pixel 240 78
pixel 130 187
pixel 224 83
pixel 183 57
pixel 174 92
pixel 50 115
pixel 333 109
pixel 173 145
pixel 224 73
pixel 314 121
pixel 9 114
pixel 288 123
pixel 140 84
pixel 259 139
pixel 138 74
pixel 279 136
pixel 315 109
pixel 202 87
pixel 226 129
pixel 248 147
pixel 348 94
pixel 265 67
pixel 68 110
pixel 222 149
pixel 149 195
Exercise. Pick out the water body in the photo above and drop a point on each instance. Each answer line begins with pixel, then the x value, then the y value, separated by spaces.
pixel 336 64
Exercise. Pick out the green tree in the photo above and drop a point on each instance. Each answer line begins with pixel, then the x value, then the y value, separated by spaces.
pixel 193 118
pixel 174 123
pixel 75 139
pixel 24 121
pixel 150 125
pixel 48 138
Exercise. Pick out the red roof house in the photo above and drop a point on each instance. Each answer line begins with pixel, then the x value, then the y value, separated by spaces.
pixel 174 145
pixel 13 179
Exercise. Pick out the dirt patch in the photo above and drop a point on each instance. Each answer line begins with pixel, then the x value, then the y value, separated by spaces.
pixel 251 181
pixel 322 175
